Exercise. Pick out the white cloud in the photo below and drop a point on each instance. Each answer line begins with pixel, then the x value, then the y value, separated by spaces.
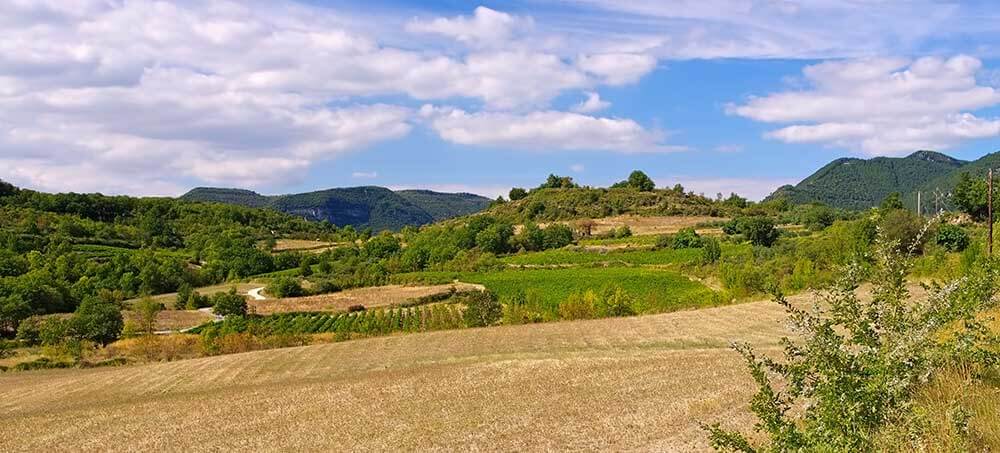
pixel 544 130
pixel 249 93
pixel 577 168
pixel 751 188
pixel 882 106
pixel 617 68
pixel 364 175
pixel 593 103
pixel 485 27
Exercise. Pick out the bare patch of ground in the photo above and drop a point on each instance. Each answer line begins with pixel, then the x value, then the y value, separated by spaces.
pixel 379 296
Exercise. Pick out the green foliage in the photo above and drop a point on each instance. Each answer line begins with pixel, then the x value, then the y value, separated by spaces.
pixel 482 309
pixel 517 193
pixel 905 229
pixel 361 207
pixel 970 196
pixel 819 217
pixel 558 182
pixel 98 319
pixel 495 238
pixel 230 303
pixel 892 202
pixel 854 367
pixel 711 251
pixel 285 287
pixel 759 230
pixel 952 237
pixel 858 184
pixel 637 180
pixel 686 238
pixel 146 310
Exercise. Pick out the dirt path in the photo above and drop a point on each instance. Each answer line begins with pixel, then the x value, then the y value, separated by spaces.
pixel 255 294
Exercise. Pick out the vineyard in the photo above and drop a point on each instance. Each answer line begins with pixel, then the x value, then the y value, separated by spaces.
pixel 365 323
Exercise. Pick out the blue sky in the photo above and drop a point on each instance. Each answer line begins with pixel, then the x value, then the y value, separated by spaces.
pixel 285 96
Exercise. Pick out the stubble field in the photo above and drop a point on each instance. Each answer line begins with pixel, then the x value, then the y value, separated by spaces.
pixel 641 383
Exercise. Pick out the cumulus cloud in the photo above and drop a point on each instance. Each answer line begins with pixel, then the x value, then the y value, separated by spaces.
pixel 485 27
pixel 593 103
pixel 544 130
pixel 881 106
pixel 252 93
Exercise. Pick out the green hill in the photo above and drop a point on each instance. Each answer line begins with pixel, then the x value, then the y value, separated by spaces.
pixel 852 183
pixel 362 207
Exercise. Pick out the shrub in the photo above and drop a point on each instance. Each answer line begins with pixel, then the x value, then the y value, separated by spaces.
pixel 285 287
pixel 579 306
pixel 711 250
pixel 355 308
pixel 952 237
pixel 53 331
pixel 905 229
pixel 183 295
pixel 819 217
pixel 557 236
pixel 856 363
pixel 229 303
pixel 98 320
pixel 759 230
pixel 482 309
pixel 686 238
pixel 616 302
pixel 196 300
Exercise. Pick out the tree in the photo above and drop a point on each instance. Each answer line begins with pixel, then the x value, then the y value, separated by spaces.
pixel 559 182
pixel 818 217
pixel 285 287
pixel 146 310
pixel 382 246
pixel 639 180
pixel 759 230
pixel 7 189
pixel 892 202
pixel 970 196
pixel 482 309
pixel 686 238
pixel 495 238
pixel 557 236
pixel 13 310
pixel 517 193
pixel 229 303
pixel 98 320
pixel 531 238
pixel 183 295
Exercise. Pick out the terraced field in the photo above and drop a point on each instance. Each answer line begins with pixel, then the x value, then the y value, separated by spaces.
pixel 641 383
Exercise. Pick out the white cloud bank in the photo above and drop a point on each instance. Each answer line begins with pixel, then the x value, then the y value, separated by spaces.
pixel 882 106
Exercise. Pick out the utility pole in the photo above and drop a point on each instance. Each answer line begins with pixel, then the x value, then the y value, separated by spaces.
pixel 989 210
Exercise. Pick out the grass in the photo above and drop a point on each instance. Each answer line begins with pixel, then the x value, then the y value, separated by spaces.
pixel 658 290
pixel 631 257
pixel 640 383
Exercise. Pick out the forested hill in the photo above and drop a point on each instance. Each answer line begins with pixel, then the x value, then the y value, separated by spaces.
pixel 361 207
pixel 852 183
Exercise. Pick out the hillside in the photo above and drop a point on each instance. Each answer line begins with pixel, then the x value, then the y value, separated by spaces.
pixel 361 207
pixel 852 183
pixel 640 383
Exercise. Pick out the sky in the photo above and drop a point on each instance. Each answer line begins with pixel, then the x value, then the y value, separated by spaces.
pixel 154 98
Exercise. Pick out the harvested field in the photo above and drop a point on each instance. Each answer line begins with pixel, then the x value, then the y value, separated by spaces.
pixel 378 296
pixel 169 298
pixel 639 383
pixel 176 319
pixel 288 245
pixel 641 225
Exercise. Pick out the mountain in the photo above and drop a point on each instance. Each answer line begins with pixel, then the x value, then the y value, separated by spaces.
pixel 372 207
pixel 852 183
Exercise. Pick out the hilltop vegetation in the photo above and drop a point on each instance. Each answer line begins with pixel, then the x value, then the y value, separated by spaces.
pixel 372 207
pixel 852 183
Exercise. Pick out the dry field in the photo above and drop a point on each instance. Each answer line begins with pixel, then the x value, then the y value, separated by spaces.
pixel 169 298
pixel 653 225
pixel 378 296
pixel 638 383
pixel 287 245
pixel 176 319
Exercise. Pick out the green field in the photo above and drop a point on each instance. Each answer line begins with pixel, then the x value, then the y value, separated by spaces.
pixel 656 290
pixel 632 257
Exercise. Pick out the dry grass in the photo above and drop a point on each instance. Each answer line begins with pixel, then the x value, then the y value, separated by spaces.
pixel 379 296
pixel 652 225
pixel 169 298
pixel 616 384
pixel 288 245
pixel 175 319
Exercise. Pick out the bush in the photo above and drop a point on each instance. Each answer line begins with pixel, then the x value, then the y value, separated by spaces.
pixel 355 308
pixel 98 320
pixel 616 302
pixel 196 301
pixel 711 250
pixel 819 217
pixel 686 238
pixel 482 309
pixel 579 306
pixel 856 363
pixel 557 236
pixel 905 229
pixel 285 287
pixel 229 303
pixel 952 237
pixel 759 230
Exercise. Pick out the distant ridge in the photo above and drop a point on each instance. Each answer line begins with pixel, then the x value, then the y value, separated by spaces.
pixel 372 207
pixel 852 183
